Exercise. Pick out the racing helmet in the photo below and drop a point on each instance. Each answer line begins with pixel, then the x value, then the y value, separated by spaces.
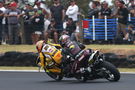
pixel 63 39
pixel 39 45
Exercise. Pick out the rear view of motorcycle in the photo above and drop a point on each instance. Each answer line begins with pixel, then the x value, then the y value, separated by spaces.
pixel 55 68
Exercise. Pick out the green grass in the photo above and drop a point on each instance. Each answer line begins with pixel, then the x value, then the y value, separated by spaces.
pixel 17 68
pixel 32 48
pixel 127 69
pixel 20 48
pixel 117 49
pixel 126 47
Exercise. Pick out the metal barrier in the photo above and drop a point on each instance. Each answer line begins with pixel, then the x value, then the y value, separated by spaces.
pixel 99 29
pixel 102 29
pixel 132 20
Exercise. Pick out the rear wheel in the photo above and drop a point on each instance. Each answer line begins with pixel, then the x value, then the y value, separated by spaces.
pixel 110 72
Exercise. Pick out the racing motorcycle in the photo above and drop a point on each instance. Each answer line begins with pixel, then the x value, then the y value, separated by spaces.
pixel 96 69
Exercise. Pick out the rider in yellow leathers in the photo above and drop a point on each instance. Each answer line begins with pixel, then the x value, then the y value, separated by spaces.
pixel 49 54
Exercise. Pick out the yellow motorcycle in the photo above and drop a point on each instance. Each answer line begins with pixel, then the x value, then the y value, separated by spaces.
pixel 52 62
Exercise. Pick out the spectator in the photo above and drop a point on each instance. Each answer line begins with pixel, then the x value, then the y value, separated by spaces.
pixel 115 8
pixel 29 13
pixel 4 24
pixel 13 15
pixel 51 32
pixel 38 26
pixel 94 11
pixel 132 8
pixel 2 10
pixel 41 10
pixel 70 28
pixel 72 11
pixel 105 10
pixel 58 14
pixel 122 16
pixel 130 36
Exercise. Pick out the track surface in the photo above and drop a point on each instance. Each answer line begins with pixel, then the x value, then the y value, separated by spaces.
pixel 40 81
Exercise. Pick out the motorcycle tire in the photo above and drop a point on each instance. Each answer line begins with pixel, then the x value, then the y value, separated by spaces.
pixel 82 79
pixel 57 77
pixel 111 73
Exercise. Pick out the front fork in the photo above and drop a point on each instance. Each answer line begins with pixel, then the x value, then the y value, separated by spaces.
pixel 40 61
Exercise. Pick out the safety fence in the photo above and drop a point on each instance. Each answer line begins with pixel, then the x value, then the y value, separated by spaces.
pixel 101 29
pixel 132 21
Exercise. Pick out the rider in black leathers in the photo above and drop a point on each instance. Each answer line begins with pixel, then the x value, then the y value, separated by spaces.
pixel 76 52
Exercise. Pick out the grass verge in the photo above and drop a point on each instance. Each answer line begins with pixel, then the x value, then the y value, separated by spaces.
pixel 126 69
pixel 17 68
pixel 32 48
pixel 19 48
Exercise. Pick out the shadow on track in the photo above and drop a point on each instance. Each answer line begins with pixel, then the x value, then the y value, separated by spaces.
pixel 75 82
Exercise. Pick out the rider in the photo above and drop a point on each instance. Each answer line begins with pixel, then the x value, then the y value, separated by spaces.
pixel 48 51
pixel 80 55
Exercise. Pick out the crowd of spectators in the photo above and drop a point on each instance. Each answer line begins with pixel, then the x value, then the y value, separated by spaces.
pixel 34 20
pixel 62 20
pixel 120 10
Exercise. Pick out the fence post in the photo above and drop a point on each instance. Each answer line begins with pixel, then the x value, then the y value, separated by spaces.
pixel 129 17
pixel 23 41
pixel 93 22
pixel 106 28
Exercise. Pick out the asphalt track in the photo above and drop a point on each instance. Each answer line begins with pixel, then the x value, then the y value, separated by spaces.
pixel 40 81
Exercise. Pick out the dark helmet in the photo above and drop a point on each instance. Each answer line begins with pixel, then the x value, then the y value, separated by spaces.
pixel 63 39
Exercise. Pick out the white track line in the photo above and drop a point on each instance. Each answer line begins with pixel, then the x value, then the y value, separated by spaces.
pixel 43 71
pixel 21 71
pixel 127 72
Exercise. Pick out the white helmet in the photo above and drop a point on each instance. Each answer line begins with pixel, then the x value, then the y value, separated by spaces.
pixel 63 39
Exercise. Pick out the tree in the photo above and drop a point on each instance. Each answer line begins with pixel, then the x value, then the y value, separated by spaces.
pixel 84 6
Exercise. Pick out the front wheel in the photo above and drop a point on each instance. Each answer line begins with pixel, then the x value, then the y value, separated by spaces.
pixel 55 76
pixel 110 72
pixel 81 78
